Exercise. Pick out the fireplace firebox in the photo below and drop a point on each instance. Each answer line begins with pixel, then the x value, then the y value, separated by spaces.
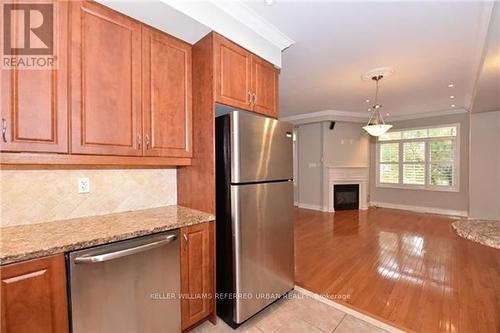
pixel 346 196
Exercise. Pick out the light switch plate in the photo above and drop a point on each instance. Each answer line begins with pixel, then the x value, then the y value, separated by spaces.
pixel 83 185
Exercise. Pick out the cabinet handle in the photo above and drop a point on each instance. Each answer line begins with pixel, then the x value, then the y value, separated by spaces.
pixel 249 97
pixel 139 141
pixel 254 99
pixel 147 141
pixel 4 130
pixel 185 240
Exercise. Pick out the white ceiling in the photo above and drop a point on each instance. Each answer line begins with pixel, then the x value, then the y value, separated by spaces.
pixel 487 96
pixel 428 44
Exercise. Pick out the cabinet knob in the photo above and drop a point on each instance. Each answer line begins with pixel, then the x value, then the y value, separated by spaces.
pixel 4 130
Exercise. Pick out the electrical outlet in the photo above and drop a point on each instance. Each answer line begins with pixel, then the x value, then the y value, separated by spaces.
pixel 83 185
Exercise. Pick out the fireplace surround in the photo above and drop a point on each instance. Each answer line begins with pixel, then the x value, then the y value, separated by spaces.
pixel 335 175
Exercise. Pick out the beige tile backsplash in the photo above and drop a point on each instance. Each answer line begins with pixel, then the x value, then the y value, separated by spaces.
pixel 34 196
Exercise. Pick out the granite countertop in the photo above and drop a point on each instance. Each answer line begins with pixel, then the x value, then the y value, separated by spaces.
pixel 25 242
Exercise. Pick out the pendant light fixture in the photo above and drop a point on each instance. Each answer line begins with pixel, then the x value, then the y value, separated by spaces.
pixel 376 125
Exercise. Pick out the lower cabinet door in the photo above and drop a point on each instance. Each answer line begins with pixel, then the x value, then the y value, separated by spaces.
pixel 197 273
pixel 34 296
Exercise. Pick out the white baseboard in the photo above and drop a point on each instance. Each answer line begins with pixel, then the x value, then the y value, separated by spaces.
pixel 420 209
pixel 308 206
pixel 349 311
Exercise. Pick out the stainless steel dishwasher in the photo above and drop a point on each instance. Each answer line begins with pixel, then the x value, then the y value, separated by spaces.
pixel 127 286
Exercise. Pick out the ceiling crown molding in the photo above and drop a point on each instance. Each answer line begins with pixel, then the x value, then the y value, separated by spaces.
pixel 327 115
pixel 361 117
pixel 481 50
pixel 248 17
pixel 439 113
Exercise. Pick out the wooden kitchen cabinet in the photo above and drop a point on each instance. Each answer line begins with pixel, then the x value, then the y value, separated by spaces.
pixel 34 296
pixel 166 95
pixel 197 273
pixel 105 81
pixel 244 80
pixel 233 70
pixel 265 87
pixel 34 113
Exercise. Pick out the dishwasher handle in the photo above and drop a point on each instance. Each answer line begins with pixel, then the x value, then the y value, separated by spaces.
pixel 123 253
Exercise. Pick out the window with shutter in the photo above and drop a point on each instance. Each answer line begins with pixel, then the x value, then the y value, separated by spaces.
pixel 419 158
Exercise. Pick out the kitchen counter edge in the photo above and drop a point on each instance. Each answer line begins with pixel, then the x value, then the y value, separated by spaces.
pixel 26 242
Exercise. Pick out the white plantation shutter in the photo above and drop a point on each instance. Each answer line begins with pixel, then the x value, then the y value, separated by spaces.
pixel 389 163
pixel 422 158
pixel 389 173
pixel 441 164
pixel 414 163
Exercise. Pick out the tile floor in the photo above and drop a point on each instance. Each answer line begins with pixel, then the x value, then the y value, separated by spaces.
pixel 297 313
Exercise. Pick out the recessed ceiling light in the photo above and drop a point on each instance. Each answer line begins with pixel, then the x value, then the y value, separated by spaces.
pixel 367 101
pixel 451 85
pixel 453 105
pixel 452 97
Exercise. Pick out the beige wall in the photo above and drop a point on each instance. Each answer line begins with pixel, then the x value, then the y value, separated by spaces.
pixel 318 146
pixel 456 201
pixel 309 151
pixel 346 145
pixel 34 196
pixel 485 166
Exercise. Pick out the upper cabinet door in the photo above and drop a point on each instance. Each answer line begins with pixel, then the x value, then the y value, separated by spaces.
pixel 166 95
pixel 265 87
pixel 105 81
pixel 34 101
pixel 232 74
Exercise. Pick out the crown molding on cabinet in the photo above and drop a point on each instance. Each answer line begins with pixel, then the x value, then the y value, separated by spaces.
pixel 192 20
pixel 251 19
pixel 161 16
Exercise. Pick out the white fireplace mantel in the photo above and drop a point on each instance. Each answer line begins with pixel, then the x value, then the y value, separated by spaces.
pixel 347 175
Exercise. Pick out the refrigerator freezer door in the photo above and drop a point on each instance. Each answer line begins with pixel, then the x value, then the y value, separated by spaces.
pixel 261 148
pixel 262 244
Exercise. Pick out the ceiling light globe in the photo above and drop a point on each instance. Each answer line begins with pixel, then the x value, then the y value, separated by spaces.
pixel 377 130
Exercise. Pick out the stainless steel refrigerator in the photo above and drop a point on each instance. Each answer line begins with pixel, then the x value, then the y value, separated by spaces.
pixel 254 206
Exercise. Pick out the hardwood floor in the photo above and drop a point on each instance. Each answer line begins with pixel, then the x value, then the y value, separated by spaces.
pixel 407 269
